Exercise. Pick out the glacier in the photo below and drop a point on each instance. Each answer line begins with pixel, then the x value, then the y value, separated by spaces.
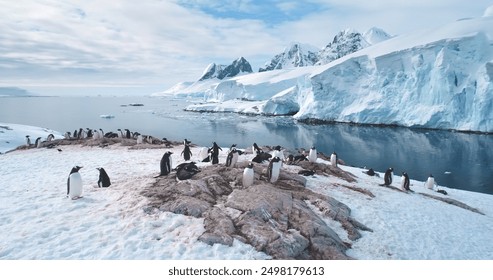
pixel 440 78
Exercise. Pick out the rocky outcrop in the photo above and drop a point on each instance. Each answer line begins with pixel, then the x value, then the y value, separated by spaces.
pixel 285 220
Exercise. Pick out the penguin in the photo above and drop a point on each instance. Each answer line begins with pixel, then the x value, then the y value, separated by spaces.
pixel 248 176
pixel 120 135
pixel 95 135
pixel 89 133
pixel 75 134
pixel 232 158
pixel 104 179
pixel 370 172
pixel 82 133
pixel 215 153
pixel 333 159
pixel 37 143
pixel 388 177
pixel 186 142
pixel 306 172
pixel 274 169
pixel 67 135
pixel 312 155
pixel 28 141
pixel 256 149
pixel 101 135
pixel 74 183
pixel 166 164
pixel 128 135
pixel 300 157
pixel 261 157
pixel 204 155
pixel 50 137
pixel 187 153
pixel 290 160
pixel 405 182
pixel 430 182
pixel 186 170
pixel 140 139
pixel 278 153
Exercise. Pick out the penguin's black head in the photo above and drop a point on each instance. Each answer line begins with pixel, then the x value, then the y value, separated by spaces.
pixel 391 169
pixel 276 159
pixel 75 169
pixel 431 175
pixel 313 147
pixel 250 165
pixel 27 136
pixel 277 148
pixel 404 173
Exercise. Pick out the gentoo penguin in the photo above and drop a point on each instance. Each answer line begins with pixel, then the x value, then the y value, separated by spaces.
pixel 28 141
pixel 186 170
pixel 312 155
pixel 128 135
pixel 95 135
pixel 82 133
pixel 74 183
pixel 388 177
pixel 50 137
pixel 333 159
pixel 104 179
pixel 166 164
pixel 274 169
pixel 187 153
pixel 290 160
pixel 248 175
pixel 204 154
pixel 306 172
pixel 300 157
pixel 75 135
pixel 430 182
pixel 140 139
pixel 261 157
pixel 231 148
pixel 89 133
pixel 232 158
pixel 256 149
pixel 215 153
pixel 120 135
pixel 67 135
pixel 405 182
pixel 278 153
pixel 37 143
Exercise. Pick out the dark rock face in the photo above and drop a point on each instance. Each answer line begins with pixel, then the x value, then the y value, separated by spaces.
pixel 277 219
pixel 240 65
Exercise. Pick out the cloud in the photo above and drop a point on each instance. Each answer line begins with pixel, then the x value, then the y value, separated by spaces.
pixel 160 43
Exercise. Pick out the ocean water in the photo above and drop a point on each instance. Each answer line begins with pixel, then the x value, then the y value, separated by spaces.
pixel 456 160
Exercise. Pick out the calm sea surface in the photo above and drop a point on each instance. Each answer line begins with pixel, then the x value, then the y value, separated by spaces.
pixel 457 160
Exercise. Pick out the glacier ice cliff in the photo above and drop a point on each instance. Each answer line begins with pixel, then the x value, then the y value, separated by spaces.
pixel 439 78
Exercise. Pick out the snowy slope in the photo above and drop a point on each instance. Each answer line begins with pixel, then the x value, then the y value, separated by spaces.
pixel 14 135
pixel 295 55
pixel 440 78
pixel 114 223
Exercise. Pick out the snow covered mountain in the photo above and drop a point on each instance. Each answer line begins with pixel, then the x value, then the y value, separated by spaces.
pixel 436 78
pixel 344 43
pixel 295 55
pixel 237 67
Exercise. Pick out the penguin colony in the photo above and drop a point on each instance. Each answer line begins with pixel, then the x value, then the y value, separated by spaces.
pixel 184 171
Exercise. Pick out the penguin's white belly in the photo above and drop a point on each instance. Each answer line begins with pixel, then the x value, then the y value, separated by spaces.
pixel 403 182
pixel 312 156
pixel 248 176
pixel 430 183
pixel 140 140
pixel 276 168
pixel 75 184
pixel 203 153
pixel 234 160
pixel 333 160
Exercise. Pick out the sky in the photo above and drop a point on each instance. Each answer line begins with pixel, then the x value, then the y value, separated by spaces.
pixel 90 47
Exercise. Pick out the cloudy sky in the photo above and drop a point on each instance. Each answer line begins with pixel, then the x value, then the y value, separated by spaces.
pixel 140 47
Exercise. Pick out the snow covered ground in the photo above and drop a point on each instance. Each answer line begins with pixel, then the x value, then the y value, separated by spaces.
pixel 37 221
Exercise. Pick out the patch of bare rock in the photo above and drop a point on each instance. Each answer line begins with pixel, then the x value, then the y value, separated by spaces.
pixel 278 219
